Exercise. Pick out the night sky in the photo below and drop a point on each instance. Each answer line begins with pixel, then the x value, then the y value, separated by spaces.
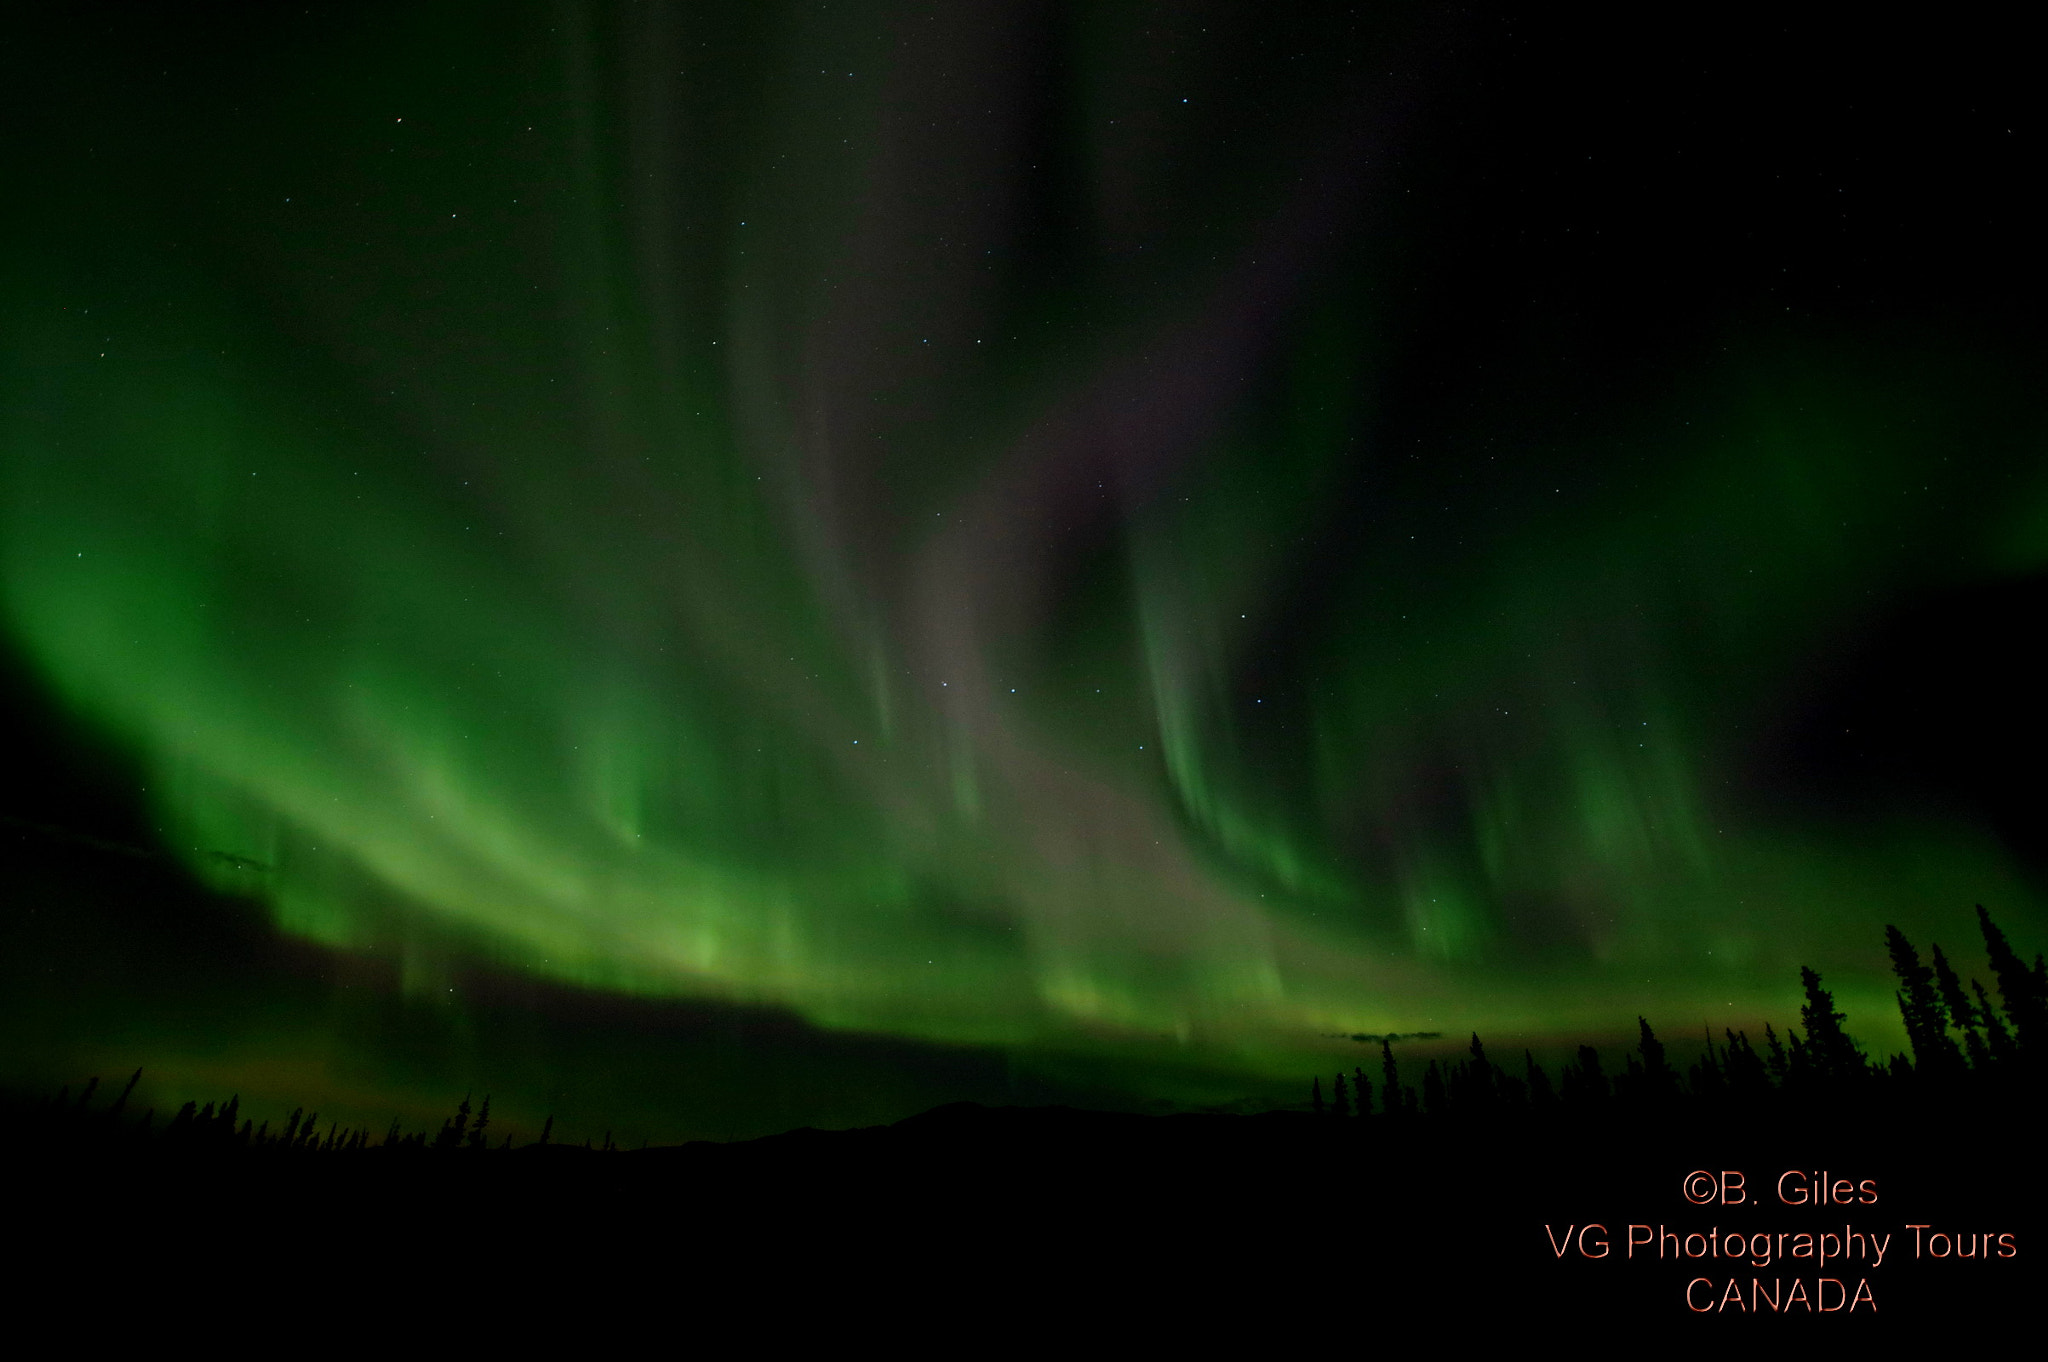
pixel 712 567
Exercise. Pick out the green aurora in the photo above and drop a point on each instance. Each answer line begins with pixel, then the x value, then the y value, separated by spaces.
pixel 1039 532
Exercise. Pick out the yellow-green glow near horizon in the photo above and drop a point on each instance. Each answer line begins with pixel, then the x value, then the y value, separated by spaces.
pixel 505 520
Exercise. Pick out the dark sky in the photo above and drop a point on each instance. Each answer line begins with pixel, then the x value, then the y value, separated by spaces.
pixel 716 567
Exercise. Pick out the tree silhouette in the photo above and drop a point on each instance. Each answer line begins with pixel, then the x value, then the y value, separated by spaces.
pixel 1340 1099
pixel 453 1128
pixel 1709 1078
pixel 1480 1087
pixel 2024 991
pixel 1777 1064
pixel 1835 1058
pixel 1391 1099
pixel 1659 1080
pixel 1961 1012
pixel 1934 1054
pixel 2003 1051
pixel 122 1100
pixel 1584 1083
pixel 1362 1090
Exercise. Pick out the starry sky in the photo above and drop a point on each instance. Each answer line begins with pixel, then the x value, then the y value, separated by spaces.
pixel 711 567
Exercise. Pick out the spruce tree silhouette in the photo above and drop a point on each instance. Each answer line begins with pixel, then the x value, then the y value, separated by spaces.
pixel 483 1118
pixel 453 1128
pixel 1315 1095
pixel 1961 1012
pixel 122 1101
pixel 1659 1082
pixel 1480 1085
pixel 1391 1100
pixel 1935 1055
pixel 1800 1074
pixel 1709 1075
pixel 1835 1058
pixel 1776 1064
pixel 2004 1054
pixel 2024 991
pixel 1361 1090
pixel 1584 1084
pixel 1340 1100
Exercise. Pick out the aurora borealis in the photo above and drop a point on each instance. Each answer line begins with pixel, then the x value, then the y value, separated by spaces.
pixel 1139 539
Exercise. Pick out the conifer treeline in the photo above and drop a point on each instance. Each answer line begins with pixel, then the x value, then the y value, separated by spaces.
pixel 75 1121
pixel 1961 1042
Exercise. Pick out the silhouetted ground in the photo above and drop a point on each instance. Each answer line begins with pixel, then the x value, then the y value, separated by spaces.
pixel 1285 1226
